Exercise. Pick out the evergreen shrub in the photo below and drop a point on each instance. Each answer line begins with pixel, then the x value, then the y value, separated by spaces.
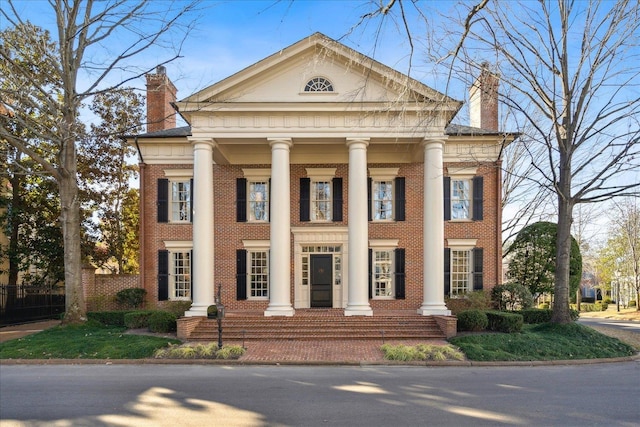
pixel 162 321
pixel 501 321
pixel 138 319
pixel 472 320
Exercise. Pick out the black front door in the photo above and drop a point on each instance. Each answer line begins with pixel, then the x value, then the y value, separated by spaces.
pixel 321 280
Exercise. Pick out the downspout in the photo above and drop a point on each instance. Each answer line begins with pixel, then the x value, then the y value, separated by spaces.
pixel 141 211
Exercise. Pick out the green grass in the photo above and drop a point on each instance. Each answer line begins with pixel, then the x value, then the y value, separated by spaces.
pixel 421 352
pixel 88 341
pixel 545 341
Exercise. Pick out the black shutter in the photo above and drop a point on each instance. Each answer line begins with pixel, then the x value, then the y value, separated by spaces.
pixel 370 273
pixel 369 198
pixel 241 200
pixel 191 200
pixel 241 274
pixel 305 199
pixel 163 275
pixel 478 257
pixel 447 197
pixel 399 273
pixel 478 191
pixel 269 203
pixel 163 200
pixel 447 271
pixel 337 200
pixel 399 195
pixel 191 273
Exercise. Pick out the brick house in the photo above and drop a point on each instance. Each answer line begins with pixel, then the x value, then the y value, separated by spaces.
pixel 319 178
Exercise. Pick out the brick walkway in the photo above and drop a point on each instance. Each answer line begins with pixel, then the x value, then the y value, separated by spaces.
pixel 334 351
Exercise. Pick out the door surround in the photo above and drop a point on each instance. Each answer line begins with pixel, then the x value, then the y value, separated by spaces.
pixel 312 240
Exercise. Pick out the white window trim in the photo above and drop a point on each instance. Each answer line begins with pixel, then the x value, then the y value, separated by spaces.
pixel 178 175
pixel 257 246
pixel 378 175
pixel 463 245
pixel 320 175
pixel 379 245
pixel 468 178
pixel 174 246
pixel 257 175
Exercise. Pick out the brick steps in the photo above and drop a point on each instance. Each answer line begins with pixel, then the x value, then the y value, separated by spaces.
pixel 319 328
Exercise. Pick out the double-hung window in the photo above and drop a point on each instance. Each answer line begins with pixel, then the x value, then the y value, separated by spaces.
pixel 175 194
pixel 258 200
pixel 252 273
pixel 321 196
pixel 463 195
pixel 386 270
pixel 174 271
pixel 252 196
pixel 383 273
pixel 463 264
pixel 321 201
pixel 386 195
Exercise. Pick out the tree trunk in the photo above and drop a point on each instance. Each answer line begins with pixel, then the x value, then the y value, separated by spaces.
pixel 561 312
pixel 75 310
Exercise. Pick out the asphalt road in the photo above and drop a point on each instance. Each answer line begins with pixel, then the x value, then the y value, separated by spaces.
pixel 625 325
pixel 605 394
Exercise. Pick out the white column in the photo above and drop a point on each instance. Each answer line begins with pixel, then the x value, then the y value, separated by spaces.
pixel 358 292
pixel 280 222
pixel 433 208
pixel 202 257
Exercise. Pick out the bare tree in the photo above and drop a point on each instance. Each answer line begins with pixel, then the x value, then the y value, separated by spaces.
pixel 95 47
pixel 569 71
pixel 627 230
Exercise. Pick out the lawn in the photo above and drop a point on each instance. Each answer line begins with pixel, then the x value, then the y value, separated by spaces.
pixel 542 342
pixel 88 341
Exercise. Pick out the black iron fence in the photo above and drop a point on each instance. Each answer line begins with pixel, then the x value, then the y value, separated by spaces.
pixel 25 303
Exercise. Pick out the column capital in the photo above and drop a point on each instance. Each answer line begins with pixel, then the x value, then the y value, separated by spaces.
pixel 353 141
pixel 433 140
pixel 197 140
pixel 277 141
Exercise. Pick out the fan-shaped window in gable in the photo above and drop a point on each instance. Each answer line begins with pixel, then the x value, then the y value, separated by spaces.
pixel 318 84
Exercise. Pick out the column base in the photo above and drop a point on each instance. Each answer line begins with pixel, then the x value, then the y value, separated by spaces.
pixel 197 310
pixel 434 310
pixel 358 310
pixel 285 310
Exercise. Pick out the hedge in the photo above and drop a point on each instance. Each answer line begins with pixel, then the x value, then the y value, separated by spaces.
pixel 162 321
pixel 472 320
pixel 501 321
pixel 138 319
pixel 108 318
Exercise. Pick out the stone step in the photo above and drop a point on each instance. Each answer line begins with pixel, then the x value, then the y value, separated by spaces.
pixel 321 327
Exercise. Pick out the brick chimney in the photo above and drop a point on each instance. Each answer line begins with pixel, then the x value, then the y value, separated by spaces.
pixel 160 94
pixel 483 100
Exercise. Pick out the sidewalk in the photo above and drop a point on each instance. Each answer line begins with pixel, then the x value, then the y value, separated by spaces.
pixel 12 332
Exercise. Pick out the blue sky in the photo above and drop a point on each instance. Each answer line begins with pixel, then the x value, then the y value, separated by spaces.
pixel 233 34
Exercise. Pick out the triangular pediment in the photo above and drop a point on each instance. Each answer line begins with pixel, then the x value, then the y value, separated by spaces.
pixel 282 77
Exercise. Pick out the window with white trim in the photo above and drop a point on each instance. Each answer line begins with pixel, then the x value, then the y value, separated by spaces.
pixel 321 201
pixel 460 198
pixel 258 201
pixel 176 269
pixel 382 199
pixel 386 195
pixel 383 273
pixel 461 272
pixel 318 84
pixel 258 274
pixel 180 201
pixel 180 277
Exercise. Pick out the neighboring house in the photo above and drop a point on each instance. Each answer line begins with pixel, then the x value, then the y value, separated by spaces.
pixel 319 178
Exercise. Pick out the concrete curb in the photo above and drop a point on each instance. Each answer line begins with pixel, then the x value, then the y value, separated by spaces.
pixel 431 364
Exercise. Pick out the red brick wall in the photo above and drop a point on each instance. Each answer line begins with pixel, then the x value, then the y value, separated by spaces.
pixel 101 289
pixel 228 233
